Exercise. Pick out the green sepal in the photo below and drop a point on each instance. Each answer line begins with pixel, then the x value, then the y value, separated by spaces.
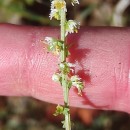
pixel 60 43
pixel 59 110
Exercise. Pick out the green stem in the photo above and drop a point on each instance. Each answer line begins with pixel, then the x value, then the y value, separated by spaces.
pixel 64 76
pixel 63 19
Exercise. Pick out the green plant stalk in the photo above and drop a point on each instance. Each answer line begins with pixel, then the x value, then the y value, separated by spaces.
pixel 64 76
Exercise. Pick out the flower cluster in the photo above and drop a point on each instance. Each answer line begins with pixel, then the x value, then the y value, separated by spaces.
pixel 74 80
pixel 72 26
pixel 64 68
pixel 54 45
pixel 60 110
pixel 56 6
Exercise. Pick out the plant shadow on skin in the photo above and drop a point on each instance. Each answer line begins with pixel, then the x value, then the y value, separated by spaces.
pixel 79 55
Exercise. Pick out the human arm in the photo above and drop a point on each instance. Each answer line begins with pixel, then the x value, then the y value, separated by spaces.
pixel 101 55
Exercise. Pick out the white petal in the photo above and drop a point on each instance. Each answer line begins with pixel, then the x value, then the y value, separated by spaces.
pixel 55 77
pixel 62 65
pixel 49 40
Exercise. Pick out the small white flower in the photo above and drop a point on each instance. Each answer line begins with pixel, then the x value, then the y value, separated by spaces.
pixel 62 65
pixel 74 2
pixel 76 81
pixel 54 45
pixel 56 77
pixel 56 6
pixel 72 26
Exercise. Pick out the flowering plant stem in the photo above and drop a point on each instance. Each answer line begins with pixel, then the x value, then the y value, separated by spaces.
pixel 64 78
pixel 59 47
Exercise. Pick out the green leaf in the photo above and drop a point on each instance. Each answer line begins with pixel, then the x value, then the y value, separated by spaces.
pixel 60 43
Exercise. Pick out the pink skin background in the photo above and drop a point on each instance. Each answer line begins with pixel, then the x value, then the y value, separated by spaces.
pixel 101 55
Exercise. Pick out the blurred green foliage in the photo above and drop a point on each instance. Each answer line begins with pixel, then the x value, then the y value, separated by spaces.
pixel 13 11
pixel 89 12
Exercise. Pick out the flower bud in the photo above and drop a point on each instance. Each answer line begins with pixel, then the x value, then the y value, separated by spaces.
pixel 72 26
pixel 56 77
pixel 74 2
